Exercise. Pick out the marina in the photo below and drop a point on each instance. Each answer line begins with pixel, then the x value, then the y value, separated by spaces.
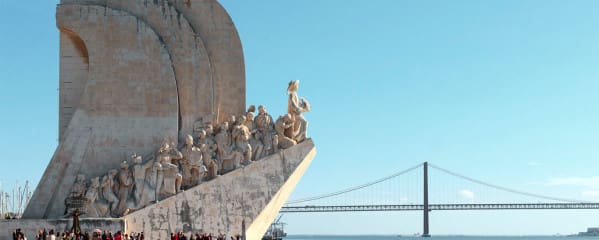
pixel 13 203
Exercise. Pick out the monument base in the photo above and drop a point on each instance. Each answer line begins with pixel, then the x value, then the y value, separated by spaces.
pixel 253 194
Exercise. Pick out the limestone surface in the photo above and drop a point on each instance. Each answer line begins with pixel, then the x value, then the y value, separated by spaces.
pixel 254 194
pixel 134 73
pixel 137 74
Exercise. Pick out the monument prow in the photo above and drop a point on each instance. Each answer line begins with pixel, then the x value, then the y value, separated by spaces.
pixel 254 193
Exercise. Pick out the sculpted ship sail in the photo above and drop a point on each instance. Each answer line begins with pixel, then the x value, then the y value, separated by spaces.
pixel 138 74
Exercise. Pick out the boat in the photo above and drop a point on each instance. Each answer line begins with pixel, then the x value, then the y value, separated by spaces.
pixel 275 231
pixel 591 232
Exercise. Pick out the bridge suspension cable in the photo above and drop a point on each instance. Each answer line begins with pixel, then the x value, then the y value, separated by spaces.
pixel 504 188
pixel 353 188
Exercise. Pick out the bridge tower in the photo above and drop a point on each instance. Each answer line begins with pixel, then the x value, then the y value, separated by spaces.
pixel 425 230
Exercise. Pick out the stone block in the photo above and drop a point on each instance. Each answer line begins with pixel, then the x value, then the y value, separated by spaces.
pixel 254 194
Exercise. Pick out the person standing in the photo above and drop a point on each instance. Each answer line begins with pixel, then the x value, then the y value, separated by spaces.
pixel 52 236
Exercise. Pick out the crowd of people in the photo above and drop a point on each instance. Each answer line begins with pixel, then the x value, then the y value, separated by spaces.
pixel 206 236
pixel 42 234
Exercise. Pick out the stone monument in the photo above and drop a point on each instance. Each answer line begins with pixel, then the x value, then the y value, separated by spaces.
pixel 154 133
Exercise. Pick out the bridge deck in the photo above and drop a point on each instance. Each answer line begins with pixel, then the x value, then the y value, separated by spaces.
pixel 438 207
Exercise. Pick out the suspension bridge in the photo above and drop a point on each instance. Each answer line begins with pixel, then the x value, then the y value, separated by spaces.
pixel 408 190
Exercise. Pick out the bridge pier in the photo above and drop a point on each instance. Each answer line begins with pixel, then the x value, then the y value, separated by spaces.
pixel 425 224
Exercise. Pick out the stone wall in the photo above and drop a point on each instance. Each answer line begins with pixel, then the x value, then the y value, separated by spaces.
pixel 129 104
pixel 134 73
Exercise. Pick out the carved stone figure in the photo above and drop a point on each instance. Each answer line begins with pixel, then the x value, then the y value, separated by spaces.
pixel 263 121
pixel 153 194
pixel 76 198
pixel 284 128
pixel 143 192
pixel 125 180
pixel 209 131
pixel 265 127
pixel 169 179
pixel 249 121
pixel 209 161
pixel 93 207
pixel 241 139
pixel 275 143
pixel 223 142
pixel 192 167
pixel 204 122
pixel 230 161
pixel 205 136
pixel 79 188
pixel 91 196
pixel 229 158
pixel 197 126
pixel 255 141
pixel 295 107
pixel 232 120
pixel 108 186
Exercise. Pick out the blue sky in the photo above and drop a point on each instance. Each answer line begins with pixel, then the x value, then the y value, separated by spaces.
pixel 503 91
